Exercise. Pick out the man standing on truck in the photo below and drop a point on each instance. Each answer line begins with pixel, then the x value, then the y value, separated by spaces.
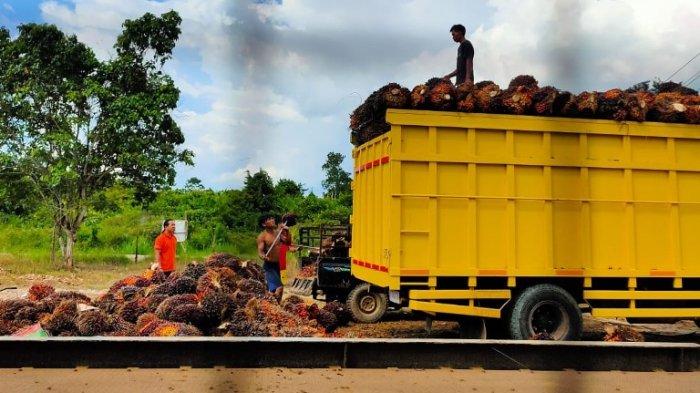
pixel 269 251
pixel 465 56
pixel 165 247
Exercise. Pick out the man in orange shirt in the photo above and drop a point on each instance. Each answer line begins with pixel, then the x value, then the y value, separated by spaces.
pixel 165 247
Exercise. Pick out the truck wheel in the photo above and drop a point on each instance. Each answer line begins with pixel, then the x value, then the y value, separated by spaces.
pixel 545 311
pixel 366 306
pixel 472 327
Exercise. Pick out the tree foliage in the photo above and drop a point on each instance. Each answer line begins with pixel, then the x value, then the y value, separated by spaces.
pixel 337 181
pixel 72 125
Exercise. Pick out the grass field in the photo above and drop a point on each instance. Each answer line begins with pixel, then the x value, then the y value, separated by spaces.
pixel 26 257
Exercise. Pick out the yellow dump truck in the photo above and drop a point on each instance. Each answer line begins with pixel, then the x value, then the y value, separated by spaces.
pixel 526 220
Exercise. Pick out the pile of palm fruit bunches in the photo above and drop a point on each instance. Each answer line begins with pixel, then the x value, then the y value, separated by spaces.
pixel 665 102
pixel 223 296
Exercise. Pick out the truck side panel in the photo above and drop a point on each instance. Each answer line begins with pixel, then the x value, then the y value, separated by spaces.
pixel 511 195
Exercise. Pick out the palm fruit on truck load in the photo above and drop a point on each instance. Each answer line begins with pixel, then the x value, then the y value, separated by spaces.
pixel 613 104
pixel 441 94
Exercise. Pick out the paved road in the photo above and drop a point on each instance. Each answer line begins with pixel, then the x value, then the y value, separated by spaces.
pixel 339 380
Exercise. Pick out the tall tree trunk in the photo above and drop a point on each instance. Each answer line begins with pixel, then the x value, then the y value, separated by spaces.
pixel 67 246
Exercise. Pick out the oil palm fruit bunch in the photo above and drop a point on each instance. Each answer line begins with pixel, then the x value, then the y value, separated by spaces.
pixel 215 305
pixel 621 333
pixel 39 291
pixel 189 313
pixel 340 311
pixel 8 308
pixel 184 284
pixel 667 107
pixel 484 92
pixel 466 100
pixel 154 276
pixel 692 112
pixel 673 87
pixel 62 320
pixel 194 270
pixel 419 97
pixel 587 104
pixel 638 104
pixel 145 323
pixel 221 259
pixel 250 285
pixel 164 309
pixel 515 101
pixel 464 89
pixel 93 323
pixel 441 94
pixel 120 327
pixel 543 101
pixel 612 104
pixel 327 320
pixel 106 302
pixel 131 310
pixel 527 81
pixel 128 292
pixel 392 95
pixel 173 329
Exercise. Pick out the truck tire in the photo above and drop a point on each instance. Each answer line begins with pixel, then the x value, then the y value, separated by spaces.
pixel 366 306
pixel 472 327
pixel 545 311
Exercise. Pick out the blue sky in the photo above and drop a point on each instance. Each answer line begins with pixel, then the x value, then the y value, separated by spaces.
pixel 270 84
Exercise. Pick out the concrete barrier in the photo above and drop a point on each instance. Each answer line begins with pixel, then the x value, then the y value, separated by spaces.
pixel 146 352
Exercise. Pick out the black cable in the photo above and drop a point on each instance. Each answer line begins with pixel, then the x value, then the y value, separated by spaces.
pixel 692 79
pixel 682 67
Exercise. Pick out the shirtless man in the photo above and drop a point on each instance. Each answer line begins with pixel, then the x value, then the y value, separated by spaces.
pixel 271 264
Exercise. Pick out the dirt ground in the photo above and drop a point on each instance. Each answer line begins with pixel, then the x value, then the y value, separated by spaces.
pixel 339 380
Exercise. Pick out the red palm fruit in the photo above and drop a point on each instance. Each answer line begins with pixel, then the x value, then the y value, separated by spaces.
pixel 463 90
pixel 442 96
pixel 467 104
pixel 136 281
pixel 92 323
pixel 527 81
pixel 221 259
pixel 692 114
pixel 544 99
pixel 394 95
pixel 484 94
pixel 667 107
pixel 419 97
pixel 39 291
pixel 587 104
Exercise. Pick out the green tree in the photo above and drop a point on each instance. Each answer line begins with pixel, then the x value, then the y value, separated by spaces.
pixel 337 181
pixel 259 192
pixel 74 126
pixel 289 188
pixel 193 183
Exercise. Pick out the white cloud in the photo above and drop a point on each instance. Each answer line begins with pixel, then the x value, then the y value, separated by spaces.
pixel 271 85
pixel 8 7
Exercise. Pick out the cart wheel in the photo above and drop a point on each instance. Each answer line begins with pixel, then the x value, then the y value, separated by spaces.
pixel 545 310
pixel 366 306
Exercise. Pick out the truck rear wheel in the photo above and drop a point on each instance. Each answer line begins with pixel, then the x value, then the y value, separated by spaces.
pixel 545 311
pixel 366 306
pixel 472 327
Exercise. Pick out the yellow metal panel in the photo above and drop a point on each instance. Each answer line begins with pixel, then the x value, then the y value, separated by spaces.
pixel 641 295
pixel 454 309
pixel 467 195
pixel 427 294
pixel 646 312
